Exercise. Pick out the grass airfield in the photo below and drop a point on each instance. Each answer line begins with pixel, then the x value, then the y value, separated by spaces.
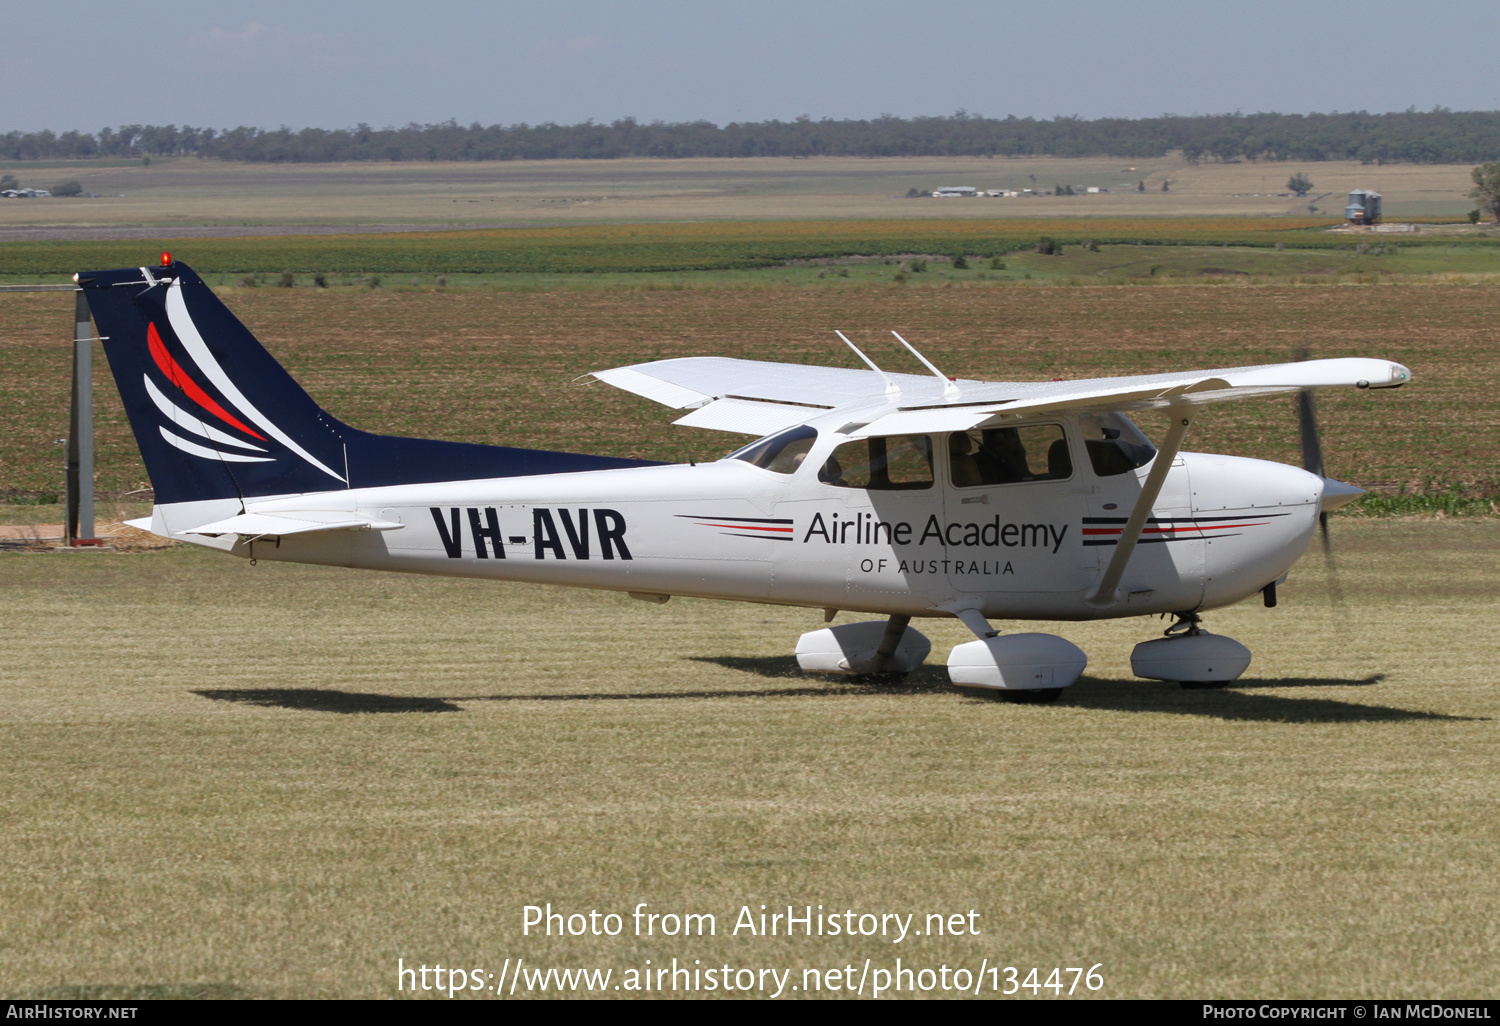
pixel 274 781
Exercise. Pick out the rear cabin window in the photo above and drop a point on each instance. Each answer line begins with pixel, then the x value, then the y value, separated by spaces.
pixel 781 453
pixel 1115 445
pixel 994 456
pixel 897 463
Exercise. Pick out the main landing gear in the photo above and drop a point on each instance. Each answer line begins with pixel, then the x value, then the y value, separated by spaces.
pixel 1033 668
pixel 1017 667
pixel 871 650
pixel 1190 655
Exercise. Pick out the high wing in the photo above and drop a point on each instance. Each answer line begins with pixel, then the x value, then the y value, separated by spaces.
pixel 758 398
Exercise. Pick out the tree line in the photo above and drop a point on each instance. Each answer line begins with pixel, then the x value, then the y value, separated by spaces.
pixel 1439 136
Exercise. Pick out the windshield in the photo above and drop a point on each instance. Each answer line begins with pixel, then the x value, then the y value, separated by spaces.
pixel 781 453
pixel 1115 445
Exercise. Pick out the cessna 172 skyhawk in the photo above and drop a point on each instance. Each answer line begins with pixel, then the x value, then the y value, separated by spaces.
pixel 893 494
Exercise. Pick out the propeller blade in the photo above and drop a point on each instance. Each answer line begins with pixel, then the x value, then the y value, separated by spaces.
pixel 1307 427
pixel 1312 462
pixel 1312 441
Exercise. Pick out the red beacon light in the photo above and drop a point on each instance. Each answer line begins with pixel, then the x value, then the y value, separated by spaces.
pixel 166 259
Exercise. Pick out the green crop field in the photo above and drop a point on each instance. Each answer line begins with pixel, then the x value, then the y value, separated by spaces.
pixel 723 246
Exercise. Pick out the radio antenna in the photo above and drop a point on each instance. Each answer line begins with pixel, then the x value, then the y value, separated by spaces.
pixel 950 388
pixel 891 388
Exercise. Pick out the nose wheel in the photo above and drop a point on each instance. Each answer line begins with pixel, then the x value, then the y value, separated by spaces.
pixel 1190 625
pixel 1190 655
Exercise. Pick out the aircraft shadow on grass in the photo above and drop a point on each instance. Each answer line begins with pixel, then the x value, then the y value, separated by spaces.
pixel 1237 701
pixel 328 700
pixel 1234 702
pixel 1227 703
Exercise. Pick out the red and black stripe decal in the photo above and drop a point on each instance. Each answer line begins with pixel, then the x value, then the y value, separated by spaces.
pixel 775 528
pixel 1107 530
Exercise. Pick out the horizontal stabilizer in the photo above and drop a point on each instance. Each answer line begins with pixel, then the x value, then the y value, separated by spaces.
pixel 260 525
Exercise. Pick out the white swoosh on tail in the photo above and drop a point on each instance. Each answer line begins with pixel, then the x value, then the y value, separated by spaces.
pixel 187 333
pixel 180 418
pixel 195 449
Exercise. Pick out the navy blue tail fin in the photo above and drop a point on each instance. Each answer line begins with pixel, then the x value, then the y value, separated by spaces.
pixel 217 417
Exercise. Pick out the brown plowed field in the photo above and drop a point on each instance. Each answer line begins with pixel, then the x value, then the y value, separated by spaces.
pixel 497 367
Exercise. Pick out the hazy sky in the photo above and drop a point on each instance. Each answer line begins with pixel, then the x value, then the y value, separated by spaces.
pixel 90 63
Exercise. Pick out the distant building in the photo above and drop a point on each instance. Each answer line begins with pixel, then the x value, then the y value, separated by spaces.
pixel 958 191
pixel 1363 208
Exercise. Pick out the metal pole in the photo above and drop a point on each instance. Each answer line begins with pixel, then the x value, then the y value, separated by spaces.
pixel 80 461
pixel 80 525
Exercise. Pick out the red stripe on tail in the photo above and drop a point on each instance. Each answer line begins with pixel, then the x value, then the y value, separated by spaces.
pixel 177 376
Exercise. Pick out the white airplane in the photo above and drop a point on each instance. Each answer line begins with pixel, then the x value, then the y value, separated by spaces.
pixel 891 494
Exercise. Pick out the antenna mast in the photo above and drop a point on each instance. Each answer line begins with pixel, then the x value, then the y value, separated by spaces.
pixel 950 389
pixel 891 388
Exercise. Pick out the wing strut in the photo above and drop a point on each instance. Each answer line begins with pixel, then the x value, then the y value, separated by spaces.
pixel 1104 595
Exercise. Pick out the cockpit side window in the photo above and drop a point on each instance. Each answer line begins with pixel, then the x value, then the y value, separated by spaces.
pixel 781 453
pixel 1115 445
pixel 896 463
pixel 993 456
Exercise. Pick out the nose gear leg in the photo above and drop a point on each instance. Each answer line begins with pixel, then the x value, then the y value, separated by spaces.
pixel 1187 625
